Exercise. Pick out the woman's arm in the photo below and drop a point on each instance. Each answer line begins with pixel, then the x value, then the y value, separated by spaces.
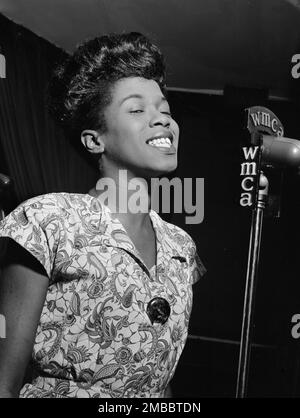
pixel 23 287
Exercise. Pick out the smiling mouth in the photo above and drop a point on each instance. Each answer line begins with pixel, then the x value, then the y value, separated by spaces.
pixel 164 142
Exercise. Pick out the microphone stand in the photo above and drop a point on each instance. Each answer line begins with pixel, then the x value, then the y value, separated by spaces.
pixel 260 120
pixel 261 196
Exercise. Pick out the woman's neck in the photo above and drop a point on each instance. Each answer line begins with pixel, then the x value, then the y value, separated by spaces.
pixel 126 196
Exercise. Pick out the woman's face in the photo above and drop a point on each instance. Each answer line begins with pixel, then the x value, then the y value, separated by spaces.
pixel 141 135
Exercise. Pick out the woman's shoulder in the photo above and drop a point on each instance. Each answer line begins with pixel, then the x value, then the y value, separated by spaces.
pixel 61 208
pixel 57 200
pixel 58 203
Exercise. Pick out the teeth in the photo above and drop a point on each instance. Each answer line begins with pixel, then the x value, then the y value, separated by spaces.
pixel 160 142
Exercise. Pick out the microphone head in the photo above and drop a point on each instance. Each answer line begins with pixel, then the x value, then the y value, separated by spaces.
pixel 281 151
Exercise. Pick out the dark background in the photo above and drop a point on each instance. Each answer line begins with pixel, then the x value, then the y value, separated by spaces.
pixel 212 134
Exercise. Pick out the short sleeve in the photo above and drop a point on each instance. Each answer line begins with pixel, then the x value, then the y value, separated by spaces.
pixel 36 226
pixel 196 267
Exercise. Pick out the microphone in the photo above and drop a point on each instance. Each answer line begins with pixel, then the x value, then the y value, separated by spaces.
pixel 5 182
pixel 281 151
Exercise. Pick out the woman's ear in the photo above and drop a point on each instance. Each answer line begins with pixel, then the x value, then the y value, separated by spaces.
pixel 92 141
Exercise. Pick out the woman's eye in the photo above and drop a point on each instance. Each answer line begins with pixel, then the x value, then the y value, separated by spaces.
pixel 136 111
pixel 166 113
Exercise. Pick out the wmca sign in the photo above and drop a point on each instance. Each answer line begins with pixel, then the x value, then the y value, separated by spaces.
pixel 260 120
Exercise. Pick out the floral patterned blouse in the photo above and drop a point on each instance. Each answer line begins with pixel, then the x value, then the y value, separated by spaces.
pixel 94 338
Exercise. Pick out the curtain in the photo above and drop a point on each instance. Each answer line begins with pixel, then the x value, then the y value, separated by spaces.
pixel 35 152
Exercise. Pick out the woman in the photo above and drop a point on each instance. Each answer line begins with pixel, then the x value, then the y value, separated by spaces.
pixel 101 296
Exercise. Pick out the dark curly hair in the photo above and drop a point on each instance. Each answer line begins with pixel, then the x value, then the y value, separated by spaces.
pixel 80 88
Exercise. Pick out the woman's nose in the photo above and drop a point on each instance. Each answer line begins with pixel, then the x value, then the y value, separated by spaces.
pixel 158 118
